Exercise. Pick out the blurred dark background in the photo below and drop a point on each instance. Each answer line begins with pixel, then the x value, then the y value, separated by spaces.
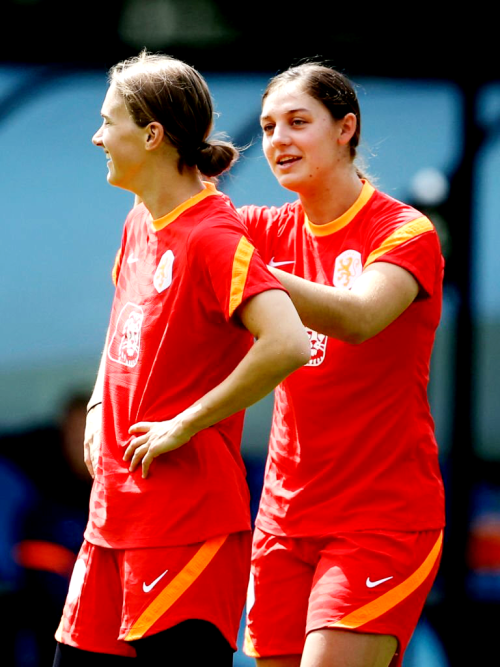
pixel 429 85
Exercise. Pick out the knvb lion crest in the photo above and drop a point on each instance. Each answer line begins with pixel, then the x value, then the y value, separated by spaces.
pixel 318 347
pixel 348 267
pixel 125 344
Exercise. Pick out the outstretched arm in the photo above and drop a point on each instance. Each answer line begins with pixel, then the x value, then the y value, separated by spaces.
pixel 281 346
pixel 380 295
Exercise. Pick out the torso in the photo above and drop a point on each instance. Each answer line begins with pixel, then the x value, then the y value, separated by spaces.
pixel 352 444
pixel 172 338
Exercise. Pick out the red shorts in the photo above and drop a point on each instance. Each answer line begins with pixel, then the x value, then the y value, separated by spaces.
pixel 371 582
pixel 119 595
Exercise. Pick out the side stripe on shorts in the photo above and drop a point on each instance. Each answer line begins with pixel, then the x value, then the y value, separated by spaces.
pixel 390 599
pixel 179 584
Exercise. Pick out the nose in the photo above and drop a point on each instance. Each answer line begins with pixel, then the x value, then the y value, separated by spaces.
pixel 97 138
pixel 280 136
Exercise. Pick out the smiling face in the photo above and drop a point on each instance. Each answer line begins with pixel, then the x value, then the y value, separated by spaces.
pixel 302 142
pixel 122 141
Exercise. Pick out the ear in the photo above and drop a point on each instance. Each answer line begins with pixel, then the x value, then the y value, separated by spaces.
pixel 154 135
pixel 348 126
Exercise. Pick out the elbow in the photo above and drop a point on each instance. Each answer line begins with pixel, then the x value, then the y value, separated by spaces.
pixel 355 331
pixel 354 337
pixel 295 352
pixel 359 332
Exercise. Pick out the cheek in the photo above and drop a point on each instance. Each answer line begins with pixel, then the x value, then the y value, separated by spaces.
pixel 267 148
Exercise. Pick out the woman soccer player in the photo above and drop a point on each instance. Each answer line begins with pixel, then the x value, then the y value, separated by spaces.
pixel 349 529
pixel 163 571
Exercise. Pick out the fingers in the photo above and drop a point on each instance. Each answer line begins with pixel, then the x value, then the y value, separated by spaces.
pixel 140 450
pixel 133 445
pixel 140 427
pixel 153 439
pixel 146 462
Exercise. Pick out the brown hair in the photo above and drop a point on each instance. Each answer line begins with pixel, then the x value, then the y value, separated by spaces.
pixel 156 87
pixel 326 85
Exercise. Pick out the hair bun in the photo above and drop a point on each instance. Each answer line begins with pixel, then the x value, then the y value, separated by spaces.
pixel 214 157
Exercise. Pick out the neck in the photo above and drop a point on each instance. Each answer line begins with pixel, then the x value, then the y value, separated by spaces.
pixel 331 200
pixel 164 188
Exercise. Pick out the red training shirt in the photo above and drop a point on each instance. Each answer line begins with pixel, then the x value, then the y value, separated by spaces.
pixel 352 443
pixel 173 336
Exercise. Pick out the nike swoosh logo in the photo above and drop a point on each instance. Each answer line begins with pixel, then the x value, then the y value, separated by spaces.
pixel 147 588
pixel 131 259
pixel 373 584
pixel 274 264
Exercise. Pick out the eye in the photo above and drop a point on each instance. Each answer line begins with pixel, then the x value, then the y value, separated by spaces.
pixel 267 128
pixel 297 122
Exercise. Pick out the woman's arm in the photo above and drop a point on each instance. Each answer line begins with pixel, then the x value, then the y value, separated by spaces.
pixel 93 425
pixel 281 346
pixel 377 298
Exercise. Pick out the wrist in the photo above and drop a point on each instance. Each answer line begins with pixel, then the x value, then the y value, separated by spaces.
pixel 188 420
pixel 93 405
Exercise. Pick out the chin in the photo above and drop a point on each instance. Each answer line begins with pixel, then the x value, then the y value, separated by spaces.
pixel 289 184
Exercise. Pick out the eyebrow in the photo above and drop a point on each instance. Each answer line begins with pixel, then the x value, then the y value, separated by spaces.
pixel 290 111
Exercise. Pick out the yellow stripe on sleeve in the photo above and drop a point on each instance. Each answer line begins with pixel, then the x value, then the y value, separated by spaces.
pixel 179 584
pixel 388 600
pixel 116 267
pixel 241 264
pixel 401 235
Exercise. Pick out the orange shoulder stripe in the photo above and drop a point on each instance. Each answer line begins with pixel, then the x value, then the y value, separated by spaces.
pixel 241 263
pixel 401 235
pixel 179 584
pixel 390 599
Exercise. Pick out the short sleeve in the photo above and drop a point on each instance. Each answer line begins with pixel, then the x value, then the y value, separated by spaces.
pixel 265 225
pixel 231 264
pixel 413 245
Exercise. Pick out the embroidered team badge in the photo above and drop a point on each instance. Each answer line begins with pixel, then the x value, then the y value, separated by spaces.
pixel 318 347
pixel 348 267
pixel 163 274
pixel 125 344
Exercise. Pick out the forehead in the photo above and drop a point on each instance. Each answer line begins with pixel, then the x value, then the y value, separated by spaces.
pixel 114 104
pixel 290 97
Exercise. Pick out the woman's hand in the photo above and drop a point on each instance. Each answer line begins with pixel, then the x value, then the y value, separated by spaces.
pixel 92 438
pixel 157 438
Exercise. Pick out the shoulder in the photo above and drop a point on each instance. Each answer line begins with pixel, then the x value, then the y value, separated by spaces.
pixel 218 228
pixel 384 208
pixel 216 213
pixel 272 216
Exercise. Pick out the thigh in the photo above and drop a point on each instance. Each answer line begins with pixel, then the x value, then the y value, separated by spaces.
pixel 92 612
pixel 373 583
pixel 277 600
pixel 69 656
pixel 165 586
pixel 324 648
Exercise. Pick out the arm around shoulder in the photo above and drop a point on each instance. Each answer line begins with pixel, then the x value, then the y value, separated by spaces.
pixel 379 296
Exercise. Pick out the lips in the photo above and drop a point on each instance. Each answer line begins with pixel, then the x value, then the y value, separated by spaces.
pixel 285 160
